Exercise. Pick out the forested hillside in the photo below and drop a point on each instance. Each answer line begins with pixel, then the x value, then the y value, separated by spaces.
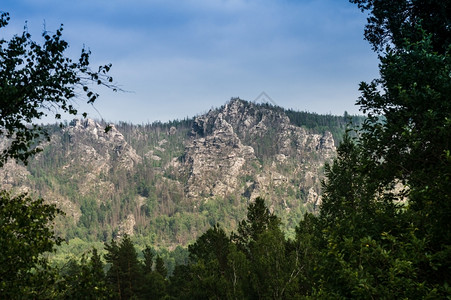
pixel 166 183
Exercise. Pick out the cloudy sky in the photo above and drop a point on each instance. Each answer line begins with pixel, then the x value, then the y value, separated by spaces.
pixel 179 58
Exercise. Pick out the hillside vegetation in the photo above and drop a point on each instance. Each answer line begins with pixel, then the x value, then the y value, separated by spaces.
pixel 169 182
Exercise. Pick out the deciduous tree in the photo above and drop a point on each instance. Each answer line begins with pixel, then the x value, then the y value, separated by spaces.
pixel 25 234
pixel 37 80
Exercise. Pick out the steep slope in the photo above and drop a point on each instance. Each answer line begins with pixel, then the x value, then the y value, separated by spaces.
pixel 244 143
pixel 170 182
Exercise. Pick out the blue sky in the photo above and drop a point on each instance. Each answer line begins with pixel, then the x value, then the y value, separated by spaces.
pixel 181 58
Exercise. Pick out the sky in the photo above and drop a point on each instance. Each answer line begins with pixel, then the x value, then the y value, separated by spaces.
pixel 180 58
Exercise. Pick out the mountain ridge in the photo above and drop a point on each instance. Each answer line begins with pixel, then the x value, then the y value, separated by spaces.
pixel 169 182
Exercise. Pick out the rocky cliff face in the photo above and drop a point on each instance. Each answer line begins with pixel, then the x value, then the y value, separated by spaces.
pixel 239 139
pixel 216 159
pixel 251 123
pixel 174 181
pixel 90 142
pixel 86 155
pixel 95 153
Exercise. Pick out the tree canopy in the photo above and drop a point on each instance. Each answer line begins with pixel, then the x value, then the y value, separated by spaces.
pixel 384 230
pixel 391 22
pixel 25 233
pixel 38 79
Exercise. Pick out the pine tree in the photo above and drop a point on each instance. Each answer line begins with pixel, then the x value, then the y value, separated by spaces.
pixel 125 273
pixel 384 220
pixel 160 268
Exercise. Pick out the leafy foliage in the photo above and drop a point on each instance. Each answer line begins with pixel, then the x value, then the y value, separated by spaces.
pixel 25 234
pixel 36 80
pixel 393 22
pixel 84 279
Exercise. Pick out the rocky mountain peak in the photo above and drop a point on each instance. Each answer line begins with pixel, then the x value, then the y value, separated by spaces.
pixel 92 142
pixel 226 141
pixel 240 115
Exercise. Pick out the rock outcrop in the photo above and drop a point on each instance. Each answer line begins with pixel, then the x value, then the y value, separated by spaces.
pixel 216 160
pixel 91 142
pixel 227 142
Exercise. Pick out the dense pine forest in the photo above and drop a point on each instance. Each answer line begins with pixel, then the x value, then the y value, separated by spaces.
pixel 382 230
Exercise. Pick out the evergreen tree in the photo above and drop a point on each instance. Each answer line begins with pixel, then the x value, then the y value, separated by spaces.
pixel 212 245
pixel 85 279
pixel 160 268
pixel 100 289
pixel 259 219
pixel 125 271
pixel 113 275
pixel 309 244
pixel 148 260
pixel 153 282
pixel 274 268
pixel 384 222
pixel 256 263
pixel 205 276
